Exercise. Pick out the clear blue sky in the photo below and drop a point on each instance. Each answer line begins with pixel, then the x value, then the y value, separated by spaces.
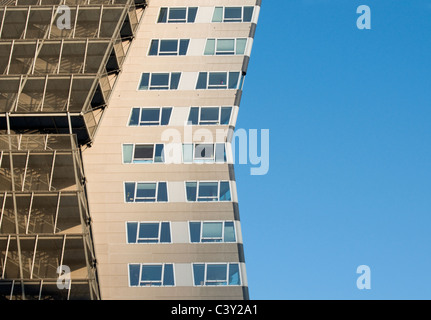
pixel 349 113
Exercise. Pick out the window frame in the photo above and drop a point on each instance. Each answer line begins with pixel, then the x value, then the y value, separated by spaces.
pixel 176 53
pixel 141 265
pixel 205 281
pixel 147 123
pixel 146 182
pixel 219 87
pixel 153 159
pixel 233 20
pixel 207 122
pixel 216 40
pixel 218 191
pixel 159 232
pixel 214 159
pixel 159 87
pixel 186 20
pixel 212 221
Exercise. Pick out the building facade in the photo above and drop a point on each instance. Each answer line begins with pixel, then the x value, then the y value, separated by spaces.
pixel 116 159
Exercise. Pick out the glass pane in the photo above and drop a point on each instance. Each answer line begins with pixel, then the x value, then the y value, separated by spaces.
pixel 143 85
pixel 240 46
pixel 226 46
pixel 195 231
pixel 193 116
pixel 187 153
pixel 143 152
pixel 218 14
pixel 217 80
pixel 233 80
pixel 134 274
pixel 148 231
pixel 248 14
pixel 217 273
pixel 210 47
pixel 159 155
pixel 198 274
pixel 184 45
pixel 165 233
pixel 151 273
pixel 212 230
pixel 154 48
pixel 234 274
pixel 166 116
pixel 204 151
pixel 146 190
pixel 224 191
pixel 168 276
pixel 232 13
pixel 163 15
pixel 191 191
pixel 150 115
pixel 229 232
pixel 127 153
pixel 225 115
pixel 220 154
pixel 132 232
pixel 192 14
pixel 160 80
pixel 208 191
pixel 163 192
pixel 177 14
pixel 202 80
pixel 129 191
pixel 168 47
pixel 175 80
pixel 134 118
pixel 209 115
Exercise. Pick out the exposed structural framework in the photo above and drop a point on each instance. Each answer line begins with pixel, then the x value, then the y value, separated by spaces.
pixel 55 84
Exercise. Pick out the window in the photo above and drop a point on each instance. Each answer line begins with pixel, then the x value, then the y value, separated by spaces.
pixel 141 275
pixel 160 81
pixel 177 15
pixel 225 46
pixel 208 191
pixel 169 47
pixel 216 274
pixel 146 192
pixel 218 80
pixel 233 14
pixel 204 152
pixel 210 115
pixel 150 116
pixel 212 231
pixel 143 153
pixel 148 232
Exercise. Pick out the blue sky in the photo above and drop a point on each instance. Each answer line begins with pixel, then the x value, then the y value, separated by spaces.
pixel 349 113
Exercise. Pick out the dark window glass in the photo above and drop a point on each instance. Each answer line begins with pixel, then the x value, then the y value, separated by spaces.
pixel 184 45
pixel 208 191
pixel 193 116
pixel 175 80
pixel 151 275
pixel 146 192
pixel 234 274
pixel 192 14
pixel 166 116
pixel 159 154
pixel 145 78
pixel 160 81
pixel 168 47
pixel 199 274
pixel 232 14
pixel 134 274
pixel 195 231
pixel 148 233
pixel 168 276
pixel 163 15
pixel 209 115
pixel 134 118
pixel 224 191
pixel 225 115
pixel 177 15
pixel 154 48
pixel 143 152
pixel 202 80
pixel 216 274
pixel 165 233
pixel 217 80
pixel 129 188
pixel 150 116
pixel 191 191
pixel 248 14
pixel 233 80
pixel 132 232
pixel 162 192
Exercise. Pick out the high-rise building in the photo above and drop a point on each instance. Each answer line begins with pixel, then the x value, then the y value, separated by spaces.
pixel 116 166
